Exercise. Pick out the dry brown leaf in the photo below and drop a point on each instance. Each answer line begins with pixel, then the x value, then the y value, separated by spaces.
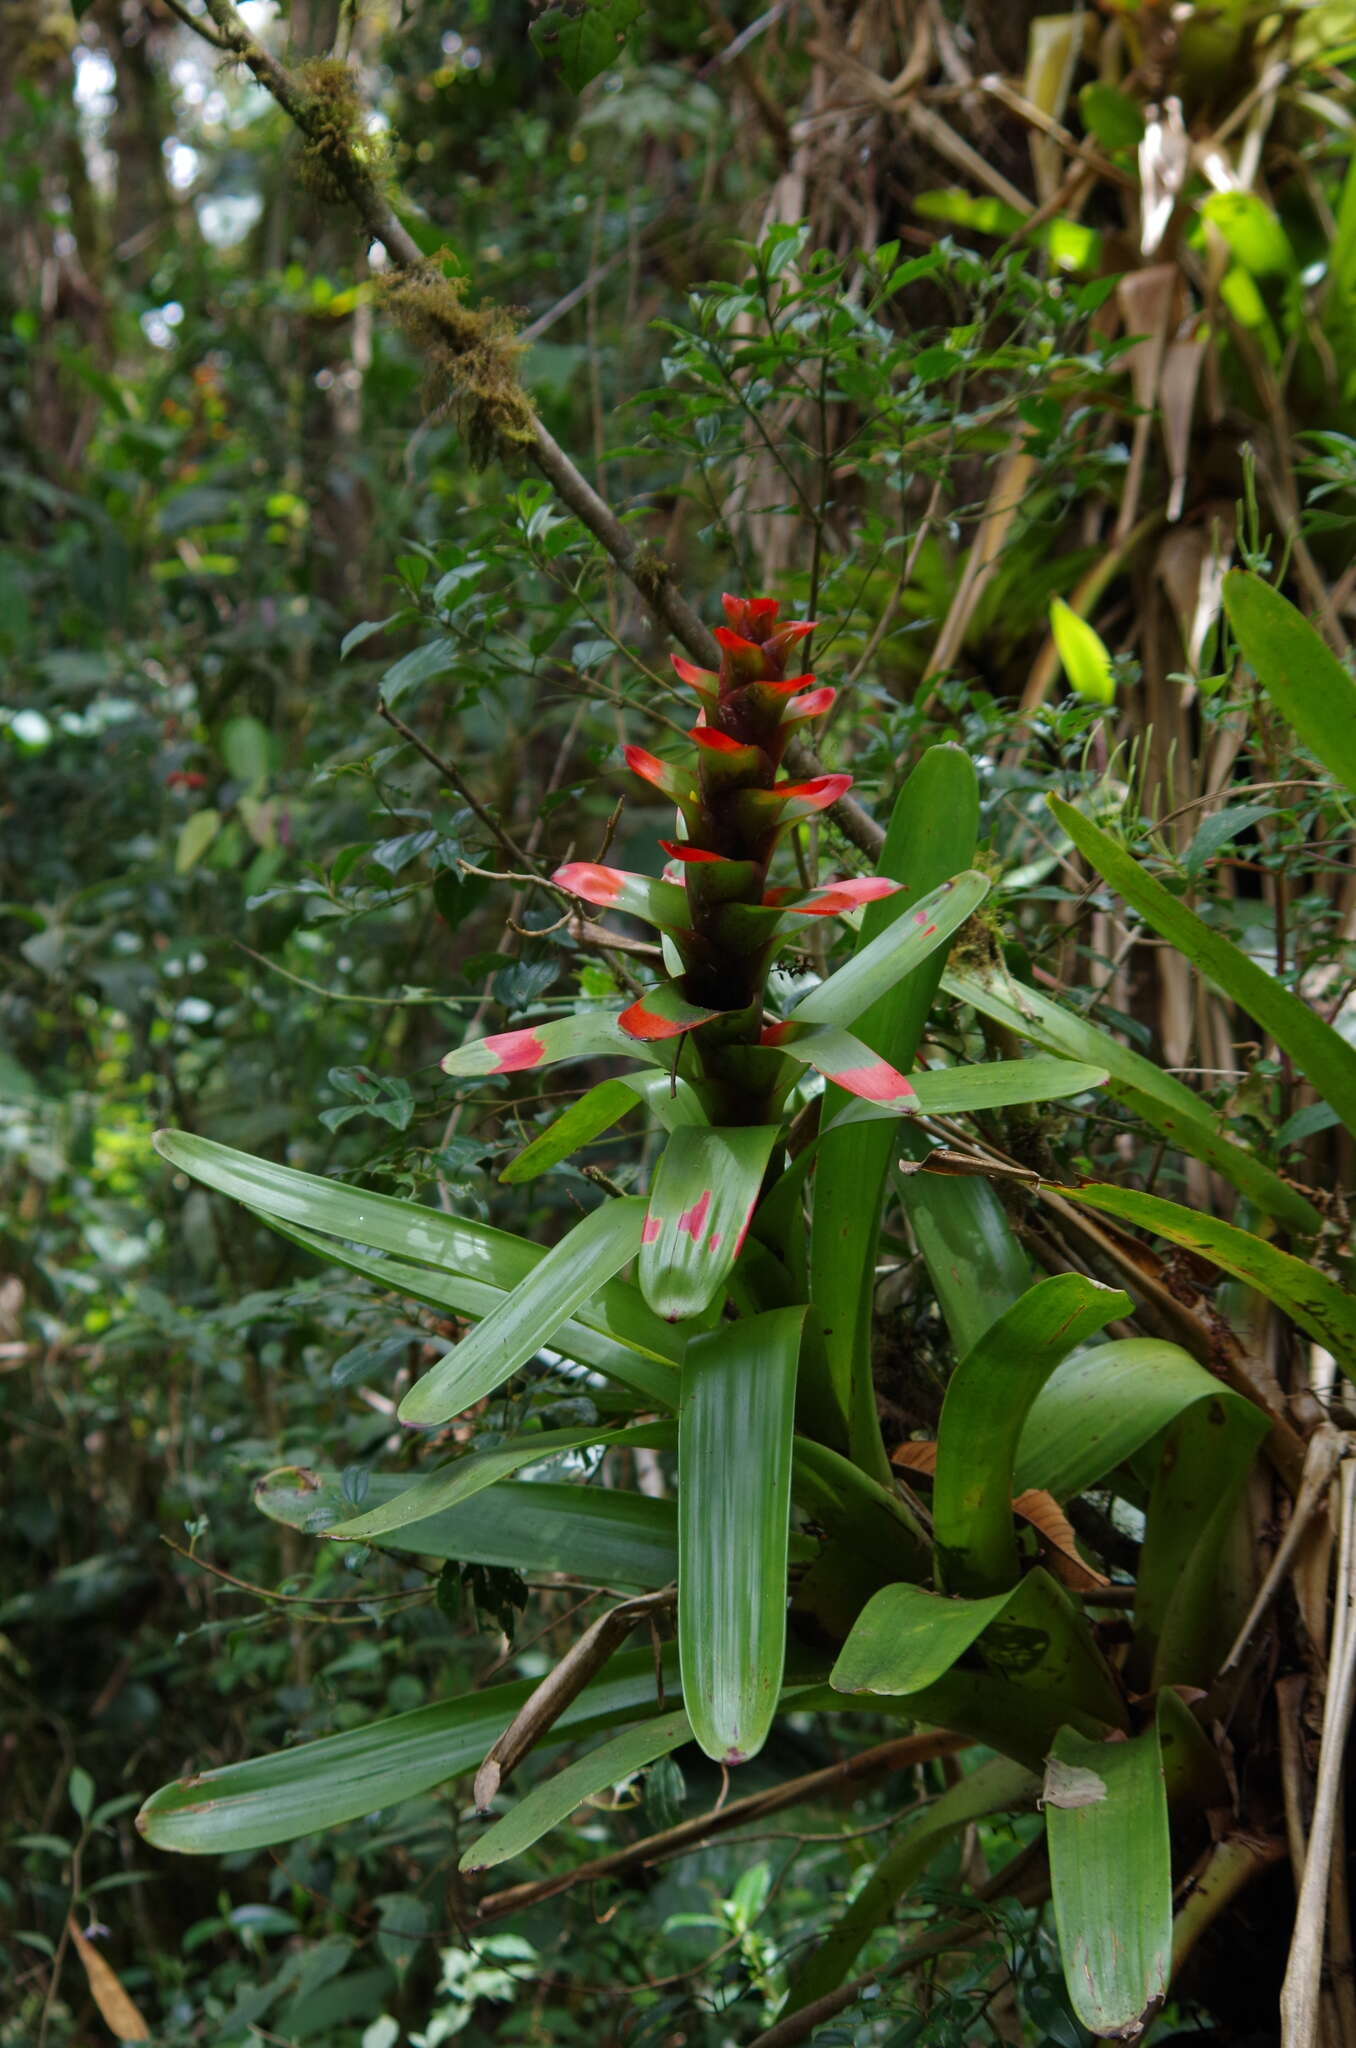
pixel 119 2012
pixel 916 1457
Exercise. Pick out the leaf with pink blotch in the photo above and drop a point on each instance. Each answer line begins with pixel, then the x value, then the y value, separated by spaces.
pixel 703 1195
pixel 840 1057
pixel 658 903
pixel 590 1034
pixel 663 1012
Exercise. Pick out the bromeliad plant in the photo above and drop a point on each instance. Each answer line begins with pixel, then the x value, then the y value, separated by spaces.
pixel 744 1341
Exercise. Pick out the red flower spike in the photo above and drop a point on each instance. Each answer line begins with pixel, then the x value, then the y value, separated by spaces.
pixel 735 644
pixel 717 742
pixel 752 616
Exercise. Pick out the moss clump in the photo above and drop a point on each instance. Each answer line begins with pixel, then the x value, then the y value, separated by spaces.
pixel 472 357
pixel 649 570
pixel 335 138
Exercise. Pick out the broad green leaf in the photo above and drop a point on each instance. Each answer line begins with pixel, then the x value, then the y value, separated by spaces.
pixel 195 836
pixel 1320 1307
pixel 735 1425
pixel 915 936
pixel 1185 1617
pixel 555 1798
pixel 931 837
pixel 573 1270
pixel 1101 1405
pixel 703 1196
pixel 844 1060
pixel 1322 1055
pixel 321 1784
pixel 468 1476
pixel 286 1197
pixel 1309 686
pixel 588 1034
pixel 1083 654
pixel 975 1263
pixel 631 1364
pixel 598 1534
pixel 1111 1875
pixel 998 1084
pixel 996 1786
pixel 986 1404
pixel 1162 1101
pixel 906 1640
pixel 585 37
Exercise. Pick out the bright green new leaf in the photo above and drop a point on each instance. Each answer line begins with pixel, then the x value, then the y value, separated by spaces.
pixel 555 1798
pixel 986 1404
pixel 913 938
pixel 1083 653
pixel 1160 1099
pixel 997 1786
pixel 599 1534
pixel 1306 682
pixel 1106 1816
pixel 466 1477
pixel 1299 1290
pixel 703 1196
pixel 320 1784
pixel 1323 1056
pixel 573 1270
pixel 735 1425
pixel 670 1100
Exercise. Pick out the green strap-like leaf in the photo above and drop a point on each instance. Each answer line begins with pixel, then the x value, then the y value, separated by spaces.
pixel 986 1405
pixel 670 1100
pixel 321 1784
pixel 997 1786
pixel 466 1477
pixel 998 1084
pixel 930 838
pixel 595 1250
pixel 601 1535
pixel 975 1263
pixel 287 1198
pixel 1106 1817
pixel 628 1363
pixel 1162 1101
pixel 556 1798
pixel 913 938
pixel 703 1196
pixel 1323 1056
pixel 1104 1403
pixel 1306 682
pixel 1322 1308
pixel 734 1499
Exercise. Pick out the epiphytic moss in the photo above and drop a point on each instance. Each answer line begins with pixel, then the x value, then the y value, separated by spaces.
pixel 335 137
pixel 472 355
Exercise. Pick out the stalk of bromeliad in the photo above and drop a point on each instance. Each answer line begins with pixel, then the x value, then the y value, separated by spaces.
pixel 735 807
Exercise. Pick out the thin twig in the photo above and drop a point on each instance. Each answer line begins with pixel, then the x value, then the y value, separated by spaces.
pixel 456 781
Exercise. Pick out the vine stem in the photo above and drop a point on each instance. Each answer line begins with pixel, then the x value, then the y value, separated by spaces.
pixel 637 562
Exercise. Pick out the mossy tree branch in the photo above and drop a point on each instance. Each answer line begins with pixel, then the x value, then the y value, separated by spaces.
pixel 466 338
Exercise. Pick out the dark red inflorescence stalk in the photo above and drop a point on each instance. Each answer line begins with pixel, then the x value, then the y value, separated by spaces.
pixel 735 809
